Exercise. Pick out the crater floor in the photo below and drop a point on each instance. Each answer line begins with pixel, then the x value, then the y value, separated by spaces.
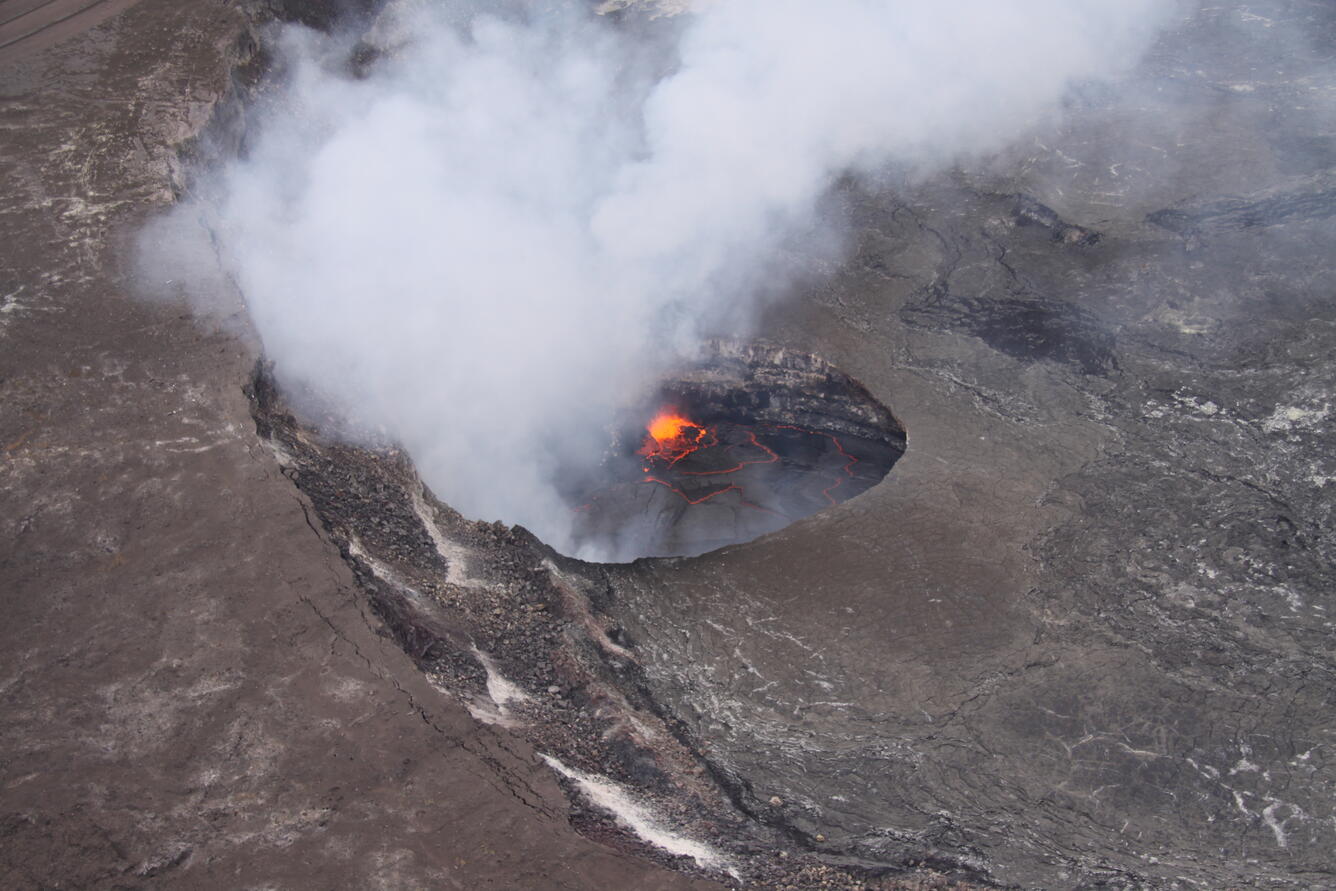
pixel 743 443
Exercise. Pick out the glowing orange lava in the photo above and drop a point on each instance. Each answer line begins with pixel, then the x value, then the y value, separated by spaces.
pixel 672 437
pixel 667 425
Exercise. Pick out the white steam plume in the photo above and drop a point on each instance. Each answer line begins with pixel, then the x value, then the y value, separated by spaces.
pixel 493 240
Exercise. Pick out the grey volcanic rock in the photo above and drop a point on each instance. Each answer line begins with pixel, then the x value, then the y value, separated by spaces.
pixel 1080 636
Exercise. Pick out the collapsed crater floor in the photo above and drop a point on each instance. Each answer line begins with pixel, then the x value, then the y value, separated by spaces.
pixel 743 442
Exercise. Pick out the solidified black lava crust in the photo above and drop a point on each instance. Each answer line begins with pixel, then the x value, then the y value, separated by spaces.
pixel 776 436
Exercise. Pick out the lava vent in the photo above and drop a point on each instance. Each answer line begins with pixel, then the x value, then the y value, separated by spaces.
pixel 742 443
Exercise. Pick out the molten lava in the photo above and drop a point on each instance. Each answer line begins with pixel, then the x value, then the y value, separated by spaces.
pixel 749 477
pixel 668 425
pixel 672 437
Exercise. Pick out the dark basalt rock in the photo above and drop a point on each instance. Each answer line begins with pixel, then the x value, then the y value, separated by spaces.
pixel 1029 329
pixel 762 384
pixel 1232 214
pixel 1030 212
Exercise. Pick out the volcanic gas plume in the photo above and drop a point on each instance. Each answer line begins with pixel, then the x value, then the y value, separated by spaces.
pixel 485 230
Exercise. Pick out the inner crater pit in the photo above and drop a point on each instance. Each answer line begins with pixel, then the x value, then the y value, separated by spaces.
pixel 743 442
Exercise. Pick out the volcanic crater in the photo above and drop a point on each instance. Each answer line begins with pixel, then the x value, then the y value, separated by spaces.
pixel 1083 638
pixel 894 684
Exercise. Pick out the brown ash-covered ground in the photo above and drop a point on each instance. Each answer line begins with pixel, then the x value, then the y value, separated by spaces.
pixel 1080 636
